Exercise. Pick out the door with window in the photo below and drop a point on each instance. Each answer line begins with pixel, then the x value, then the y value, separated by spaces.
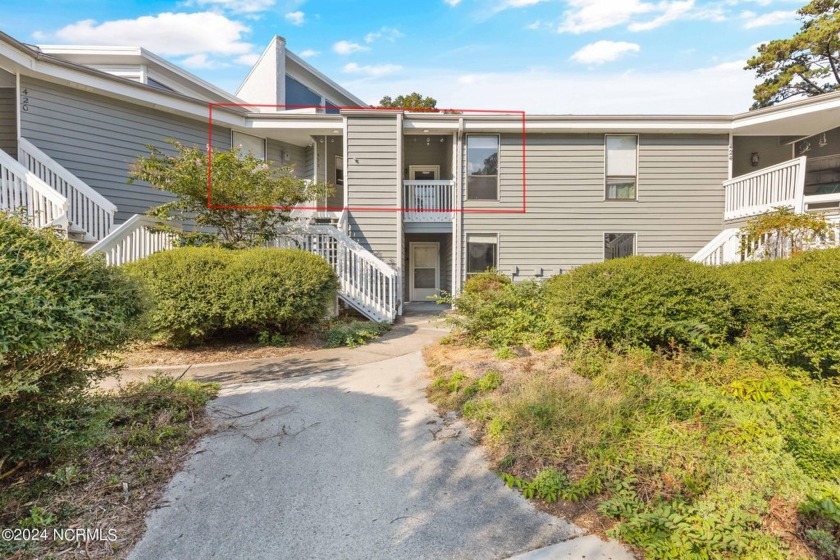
pixel 424 263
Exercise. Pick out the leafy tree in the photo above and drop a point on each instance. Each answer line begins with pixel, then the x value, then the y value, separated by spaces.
pixel 238 179
pixel 412 101
pixel 782 233
pixel 806 64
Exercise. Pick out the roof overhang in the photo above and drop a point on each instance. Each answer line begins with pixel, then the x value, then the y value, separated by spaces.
pixel 805 117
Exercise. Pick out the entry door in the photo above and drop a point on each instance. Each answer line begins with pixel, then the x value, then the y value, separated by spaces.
pixel 425 270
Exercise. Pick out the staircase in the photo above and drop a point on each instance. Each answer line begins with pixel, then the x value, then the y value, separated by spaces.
pixel 51 196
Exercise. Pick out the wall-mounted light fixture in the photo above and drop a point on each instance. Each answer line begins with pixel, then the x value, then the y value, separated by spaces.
pixel 754 159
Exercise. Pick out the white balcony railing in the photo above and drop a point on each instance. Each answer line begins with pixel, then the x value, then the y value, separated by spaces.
pixel 763 190
pixel 87 209
pixel 428 201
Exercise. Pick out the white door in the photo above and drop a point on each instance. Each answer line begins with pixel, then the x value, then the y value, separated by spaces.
pixel 424 263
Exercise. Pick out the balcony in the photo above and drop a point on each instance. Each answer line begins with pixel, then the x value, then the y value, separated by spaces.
pixel 428 201
pixel 802 184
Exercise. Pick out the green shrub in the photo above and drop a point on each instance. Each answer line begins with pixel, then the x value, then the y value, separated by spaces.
pixel 354 334
pixel 495 312
pixel 649 301
pixel 60 310
pixel 790 309
pixel 199 292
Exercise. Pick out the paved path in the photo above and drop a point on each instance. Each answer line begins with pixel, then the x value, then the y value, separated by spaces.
pixel 348 461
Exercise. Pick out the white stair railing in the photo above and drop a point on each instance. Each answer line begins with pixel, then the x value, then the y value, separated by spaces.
pixel 763 190
pixel 725 248
pixel 88 210
pixel 365 282
pixel 20 188
pixel 133 240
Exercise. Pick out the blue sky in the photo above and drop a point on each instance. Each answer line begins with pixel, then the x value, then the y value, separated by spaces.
pixel 542 56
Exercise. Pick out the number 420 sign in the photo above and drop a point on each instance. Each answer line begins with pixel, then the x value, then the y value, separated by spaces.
pixel 24 100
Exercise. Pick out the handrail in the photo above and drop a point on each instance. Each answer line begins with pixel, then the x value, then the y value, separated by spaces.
pixel 133 240
pixel 19 188
pixel 381 265
pixel 428 201
pixel 723 249
pixel 87 209
pixel 782 184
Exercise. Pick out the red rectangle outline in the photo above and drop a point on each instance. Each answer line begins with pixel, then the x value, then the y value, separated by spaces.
pixel 210 205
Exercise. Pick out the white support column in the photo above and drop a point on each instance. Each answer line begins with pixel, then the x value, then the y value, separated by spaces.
pixel 399 216
pixel 458 218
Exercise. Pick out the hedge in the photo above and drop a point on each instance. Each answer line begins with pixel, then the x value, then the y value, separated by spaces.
pixel 60 310
pixel 200 292
pixel 789 309
pixel 649 301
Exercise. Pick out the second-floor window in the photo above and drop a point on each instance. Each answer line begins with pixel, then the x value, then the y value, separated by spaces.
pixel 621 157
pixel 247 143
pixel 482 167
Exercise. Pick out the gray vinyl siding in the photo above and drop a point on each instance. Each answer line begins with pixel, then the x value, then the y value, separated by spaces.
pixel 373 180
pixel 309 162
pixel 275 150
pixel 97 138
pixel 328 148
pixel 8 122
pixel 679 207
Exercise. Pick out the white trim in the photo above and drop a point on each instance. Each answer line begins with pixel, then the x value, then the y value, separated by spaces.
pixel 604 248
pixel 414 168
pixel 411 246
pixel 400 228
pixel 346 153
pixel 17 107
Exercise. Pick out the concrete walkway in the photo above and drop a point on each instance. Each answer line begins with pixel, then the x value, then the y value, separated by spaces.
pixel 337 454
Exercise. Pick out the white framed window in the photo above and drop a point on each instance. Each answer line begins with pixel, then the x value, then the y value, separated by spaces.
pixel 619 245
pixel 482 253
pixel 424 172
pixel 248 144
pixel 482 167
pixel 621 157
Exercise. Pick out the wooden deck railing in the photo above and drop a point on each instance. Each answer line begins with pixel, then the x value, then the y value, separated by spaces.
pixel 87 209
pixel 428 201
pixel 763 190
pixel 21 189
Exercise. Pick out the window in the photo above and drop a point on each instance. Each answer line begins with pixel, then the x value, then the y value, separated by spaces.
pixel 621 157
pixel 482 167
pixel 482 253
pixel 247 143
pixel 618 245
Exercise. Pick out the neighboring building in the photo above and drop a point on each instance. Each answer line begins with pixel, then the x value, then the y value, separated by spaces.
pixel 72 120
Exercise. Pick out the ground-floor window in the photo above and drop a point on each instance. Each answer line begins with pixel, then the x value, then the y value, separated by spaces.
pixel 482 253
pixel 618 245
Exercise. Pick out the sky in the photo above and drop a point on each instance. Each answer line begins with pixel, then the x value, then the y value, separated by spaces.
pixel 540 56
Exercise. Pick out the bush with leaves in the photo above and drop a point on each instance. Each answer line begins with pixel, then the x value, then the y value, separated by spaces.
pixel 199 292
pixel 495 312
pixel 60 310
pixel 789 309
pixel 783 233
pixel 648 301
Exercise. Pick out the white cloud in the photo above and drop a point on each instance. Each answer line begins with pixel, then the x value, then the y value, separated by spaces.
pixel 348 47
pixel 520 3
pixel 722 89
pixel 452 3
pixel 771 18
pixel 389 34
pixel 168 34
pixel 200 61
pixel 238 6
pixel 309 53
pixel 295 18
pixel 371 70
pixel 674 11
pixel 594 15
pixel 604 51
